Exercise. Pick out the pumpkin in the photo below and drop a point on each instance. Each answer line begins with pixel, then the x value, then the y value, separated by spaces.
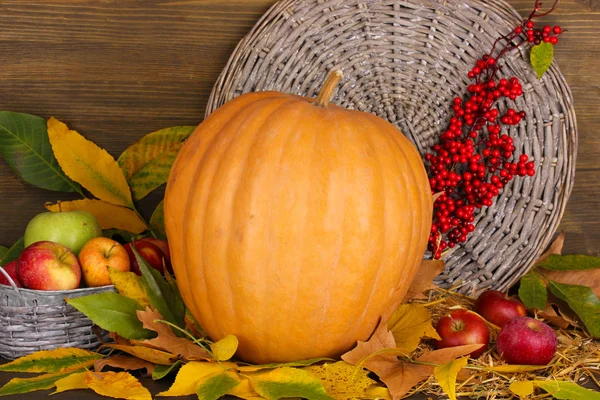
pixel 295 224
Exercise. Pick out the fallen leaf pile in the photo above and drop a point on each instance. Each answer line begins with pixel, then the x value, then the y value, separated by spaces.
pixel 397 361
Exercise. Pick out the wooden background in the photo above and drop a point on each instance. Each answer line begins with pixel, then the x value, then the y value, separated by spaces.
pixel 115 70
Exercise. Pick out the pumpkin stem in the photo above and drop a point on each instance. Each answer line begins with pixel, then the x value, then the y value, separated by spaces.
pixel 327 89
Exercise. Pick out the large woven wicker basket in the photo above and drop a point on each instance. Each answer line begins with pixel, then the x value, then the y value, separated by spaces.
pixel 33 320
pixel 405 61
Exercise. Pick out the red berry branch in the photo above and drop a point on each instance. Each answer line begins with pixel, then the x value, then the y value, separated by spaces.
pixel 474 159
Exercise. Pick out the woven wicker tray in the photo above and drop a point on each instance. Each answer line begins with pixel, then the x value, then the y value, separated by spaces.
pixel 405 61
pixel 33 320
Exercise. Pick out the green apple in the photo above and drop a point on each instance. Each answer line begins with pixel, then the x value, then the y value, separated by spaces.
pixel 70 228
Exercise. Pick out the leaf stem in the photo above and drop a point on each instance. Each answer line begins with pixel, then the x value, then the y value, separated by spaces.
pixel 198 342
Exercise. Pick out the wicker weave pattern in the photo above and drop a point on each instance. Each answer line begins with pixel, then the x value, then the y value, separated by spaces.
pixel 33 320
pixel 405 61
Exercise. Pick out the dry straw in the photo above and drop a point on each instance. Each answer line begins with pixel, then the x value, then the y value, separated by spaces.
pixel 577 358
pixel 405 61
pixel 33 320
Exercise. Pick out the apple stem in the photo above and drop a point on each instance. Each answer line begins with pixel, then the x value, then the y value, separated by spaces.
pixel 62 256
pixel 107 254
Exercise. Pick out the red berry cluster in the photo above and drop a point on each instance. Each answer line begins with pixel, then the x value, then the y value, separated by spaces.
pixel 547 34
pixel 474 159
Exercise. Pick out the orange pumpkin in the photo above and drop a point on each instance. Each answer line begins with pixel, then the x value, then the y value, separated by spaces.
pixel 294 224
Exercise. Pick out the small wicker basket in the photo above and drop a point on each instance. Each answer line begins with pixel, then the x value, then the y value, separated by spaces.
pixel 33 320
pixel 405 60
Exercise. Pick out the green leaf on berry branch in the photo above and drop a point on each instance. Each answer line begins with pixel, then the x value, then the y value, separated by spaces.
pixel 570 263
pixel 583 301
pixel 532 291
pixel 541 58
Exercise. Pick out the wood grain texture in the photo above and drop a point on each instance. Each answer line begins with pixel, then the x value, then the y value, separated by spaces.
pixel 116 70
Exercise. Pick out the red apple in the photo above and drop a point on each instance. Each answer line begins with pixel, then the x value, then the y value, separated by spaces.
pixel 525 340
pixel 97 255
pixel 11 270
pixel 164 246
pixel 462 327
pixel 149 252
pixel 497 308
pixel 48 265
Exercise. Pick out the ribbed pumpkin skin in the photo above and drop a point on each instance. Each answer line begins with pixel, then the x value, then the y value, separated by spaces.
pixel 294 226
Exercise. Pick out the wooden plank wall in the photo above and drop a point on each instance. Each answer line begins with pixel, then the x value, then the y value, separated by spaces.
pixel 116 70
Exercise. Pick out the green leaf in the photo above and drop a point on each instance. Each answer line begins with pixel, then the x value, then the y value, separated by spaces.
pixel 13 253
pixel 556 262
pixel 3 253
pixel 161 295
pixel 215 386
pixel 541 58
pixel 157 220
pixel 147 162
pixel 288 382
pixel 113 312
pixel 160 371
pixel 27 385
pixel 532 291
pixel 52 361
pixel 25 145
pixel 567 390
pixel 583 301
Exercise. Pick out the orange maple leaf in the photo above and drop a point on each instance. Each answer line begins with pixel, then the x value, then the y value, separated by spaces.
pixel 167 340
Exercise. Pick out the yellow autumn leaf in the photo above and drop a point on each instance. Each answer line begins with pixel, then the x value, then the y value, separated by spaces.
pixel 129 285
pixel 446 374
pixel 378 392
pixel 225 348
pixel 288 382
pixel 118 385
pixel 522 388
pixel 108 215
pixel 341 380
pixel 147 162
pixel 409 324
pixel 245 391
pixel 189 375
pixel 71 382
pixel 86 163
pixel 52 361
pixel 215 386
pixel 145 353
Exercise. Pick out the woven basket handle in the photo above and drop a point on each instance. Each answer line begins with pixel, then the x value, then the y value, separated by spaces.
pixel 12 283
